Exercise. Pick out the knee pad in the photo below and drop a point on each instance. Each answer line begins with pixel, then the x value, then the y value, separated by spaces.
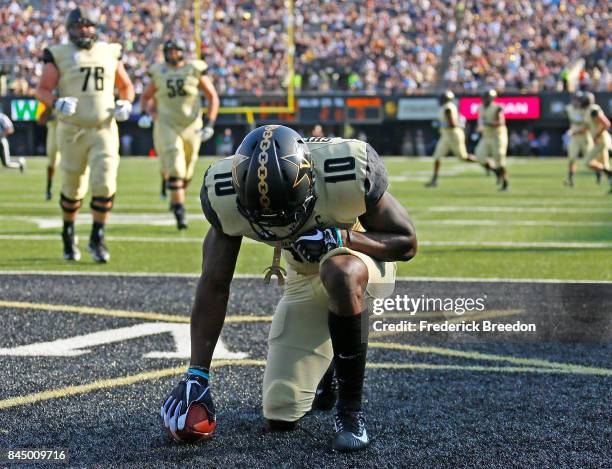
pixel 281 401
pixel 175 184
pixel 69 205
pixel 102 204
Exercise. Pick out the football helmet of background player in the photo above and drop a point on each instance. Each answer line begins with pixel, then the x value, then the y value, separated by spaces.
pixel 588 99
pixel 489 96
pixel 577 97
pixel 273 175
pixel 82 17
pixel 174 44
pixel 446 97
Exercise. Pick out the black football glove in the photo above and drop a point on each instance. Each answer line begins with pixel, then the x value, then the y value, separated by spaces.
pixel 314 244
pixel 192 388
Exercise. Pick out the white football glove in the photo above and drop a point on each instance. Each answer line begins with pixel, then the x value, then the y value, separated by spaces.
pixel 66 106
pixel 190 389
pixel 206 133
pixel 123 109
pixel 314 244
pixel 145 121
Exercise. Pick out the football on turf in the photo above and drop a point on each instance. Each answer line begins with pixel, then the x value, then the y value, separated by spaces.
pixel 197 425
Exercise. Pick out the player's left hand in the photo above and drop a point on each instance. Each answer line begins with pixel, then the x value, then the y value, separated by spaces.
pixel 206 133
pixel 315 244
pixel 123 109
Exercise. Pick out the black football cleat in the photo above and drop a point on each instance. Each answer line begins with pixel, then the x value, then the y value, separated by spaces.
pixel 326 394
pixel 22 165
pixel 48 195
pixel 99 251
pixel 71 250
pixel 432 183
pixel 569 183
pixel 350 434
pixel 504 187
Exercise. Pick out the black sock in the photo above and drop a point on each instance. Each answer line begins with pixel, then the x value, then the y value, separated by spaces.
pixel 434 178
pixel 163 187
pixel 97 232
pixel 349 358
pixel 68 229
pixel 570 176
pixel 49 184
pixel 179 211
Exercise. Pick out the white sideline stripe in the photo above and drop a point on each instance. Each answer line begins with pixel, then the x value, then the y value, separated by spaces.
pixel 163 219
pixel 77 273
pixel 513 223
pixel 168 239
pixel 512 209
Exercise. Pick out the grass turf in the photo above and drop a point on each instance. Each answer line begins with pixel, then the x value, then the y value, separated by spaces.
pixel 466 228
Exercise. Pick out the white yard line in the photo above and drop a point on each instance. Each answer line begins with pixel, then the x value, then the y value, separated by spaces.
pixel 256 277
pixel 512 209
pixel 166 219
pixel 192 239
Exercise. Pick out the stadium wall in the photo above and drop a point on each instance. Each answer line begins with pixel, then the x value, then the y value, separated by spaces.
pixel 393 124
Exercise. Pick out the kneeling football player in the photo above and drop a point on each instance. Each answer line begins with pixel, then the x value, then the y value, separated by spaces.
pixel 324 204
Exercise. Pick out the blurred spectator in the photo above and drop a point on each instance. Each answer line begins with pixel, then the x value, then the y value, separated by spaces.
pixel 225 144
pixel 366 46
pixel 317 131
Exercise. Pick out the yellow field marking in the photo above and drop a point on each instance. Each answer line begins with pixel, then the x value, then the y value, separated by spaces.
pixel 502 369
pixel 112 383
pixel 472 355
pixel 119 313
pixel 177 370
pixel 474 317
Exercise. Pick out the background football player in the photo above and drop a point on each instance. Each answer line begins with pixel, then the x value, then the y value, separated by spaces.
pixel 175 85
pixel 598 158
pixel 53 156
pixel 493 143
pixel 452 135
pixel 85 73
pixel 7 128
pixel 324 204
pixel 580 142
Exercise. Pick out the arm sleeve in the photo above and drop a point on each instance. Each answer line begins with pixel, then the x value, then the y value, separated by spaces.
pixel 47 56
pixel 377 181
pixel 209 211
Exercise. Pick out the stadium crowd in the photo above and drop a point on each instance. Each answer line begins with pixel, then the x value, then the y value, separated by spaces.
pixel 373 46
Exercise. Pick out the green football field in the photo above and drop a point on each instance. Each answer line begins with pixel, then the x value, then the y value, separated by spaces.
pixel 538 230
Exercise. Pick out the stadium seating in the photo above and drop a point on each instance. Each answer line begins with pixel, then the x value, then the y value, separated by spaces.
pixel 364 46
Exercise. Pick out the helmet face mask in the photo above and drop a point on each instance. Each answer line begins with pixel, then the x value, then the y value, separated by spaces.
pixel 446 97
pixel 489 96
pixel 174 45
pixel 273 176
pixel 587 99
pixel 81 24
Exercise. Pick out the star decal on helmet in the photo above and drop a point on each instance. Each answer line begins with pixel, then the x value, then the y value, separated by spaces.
pixel 301 164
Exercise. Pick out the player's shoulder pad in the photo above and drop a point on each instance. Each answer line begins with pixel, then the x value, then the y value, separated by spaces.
pixel 47 56
pixel 377 179
pixel 116 50
pixel 596 109
pixel 199 66
pixel 215 180
pixel 154 69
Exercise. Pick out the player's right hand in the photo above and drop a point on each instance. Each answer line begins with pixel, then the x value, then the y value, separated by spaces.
pixel 145 121
pixel 66 106
pixel 192 388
